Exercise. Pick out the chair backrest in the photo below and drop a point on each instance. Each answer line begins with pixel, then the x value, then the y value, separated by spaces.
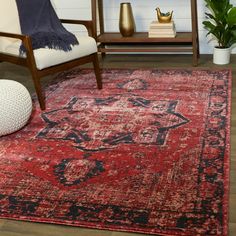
pixel 9 20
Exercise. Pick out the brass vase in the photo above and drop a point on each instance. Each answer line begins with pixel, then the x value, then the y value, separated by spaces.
pixel 126 22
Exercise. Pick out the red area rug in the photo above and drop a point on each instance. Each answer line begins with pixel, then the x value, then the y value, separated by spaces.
pixel 149 153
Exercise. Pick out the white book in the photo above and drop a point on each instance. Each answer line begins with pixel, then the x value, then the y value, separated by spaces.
pixel 172 31
pixel 162 36
pixel 162 31
pixel 157 24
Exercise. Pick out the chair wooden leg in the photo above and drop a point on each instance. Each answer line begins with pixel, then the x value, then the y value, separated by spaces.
pixel 38 89
pixel 97 71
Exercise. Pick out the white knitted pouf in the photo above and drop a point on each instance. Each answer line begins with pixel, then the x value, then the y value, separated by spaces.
pixel 15 106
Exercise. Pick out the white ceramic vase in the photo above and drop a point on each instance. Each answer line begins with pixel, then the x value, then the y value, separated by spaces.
pixel 221 56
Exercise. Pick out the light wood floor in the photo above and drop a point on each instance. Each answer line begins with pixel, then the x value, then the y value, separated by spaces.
pixel 8 71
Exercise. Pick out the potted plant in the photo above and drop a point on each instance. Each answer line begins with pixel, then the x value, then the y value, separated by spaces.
pixel 221 24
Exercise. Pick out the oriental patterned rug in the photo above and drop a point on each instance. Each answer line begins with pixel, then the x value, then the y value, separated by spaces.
pixel 148 153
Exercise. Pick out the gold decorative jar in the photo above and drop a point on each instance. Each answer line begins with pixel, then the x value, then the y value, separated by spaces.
pixel 164 17
pixel 126 21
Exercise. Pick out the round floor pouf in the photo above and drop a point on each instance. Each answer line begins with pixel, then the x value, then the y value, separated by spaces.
pixel 15 106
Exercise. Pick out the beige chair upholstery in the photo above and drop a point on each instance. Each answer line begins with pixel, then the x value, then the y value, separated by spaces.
pixel 45 57
pixel 43 61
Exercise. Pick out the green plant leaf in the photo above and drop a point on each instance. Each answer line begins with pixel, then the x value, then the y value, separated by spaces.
pixel 232 17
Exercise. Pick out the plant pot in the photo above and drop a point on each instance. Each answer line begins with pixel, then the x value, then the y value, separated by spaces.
pixel 221 56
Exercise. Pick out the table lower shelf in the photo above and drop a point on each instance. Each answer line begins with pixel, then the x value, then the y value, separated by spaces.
pixel 143 48
pixel 140 42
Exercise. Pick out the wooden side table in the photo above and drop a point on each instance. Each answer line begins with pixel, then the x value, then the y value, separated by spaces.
pixel 183 42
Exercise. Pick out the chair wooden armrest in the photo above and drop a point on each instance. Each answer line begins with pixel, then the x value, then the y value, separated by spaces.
pixel 26 41
pixel 87 23
pixel 12 35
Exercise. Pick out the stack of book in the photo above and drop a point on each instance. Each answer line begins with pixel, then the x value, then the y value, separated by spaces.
pixel 162 30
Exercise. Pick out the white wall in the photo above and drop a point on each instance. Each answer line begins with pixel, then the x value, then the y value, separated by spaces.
pixel 144 12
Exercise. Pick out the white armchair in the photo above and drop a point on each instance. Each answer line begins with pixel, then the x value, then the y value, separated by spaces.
pixel 43 61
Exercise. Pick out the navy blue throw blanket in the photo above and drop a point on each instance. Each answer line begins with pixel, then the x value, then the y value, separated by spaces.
pixel 39 20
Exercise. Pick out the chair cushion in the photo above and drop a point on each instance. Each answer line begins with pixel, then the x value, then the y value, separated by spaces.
pixel 9 21
pixel 45 57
